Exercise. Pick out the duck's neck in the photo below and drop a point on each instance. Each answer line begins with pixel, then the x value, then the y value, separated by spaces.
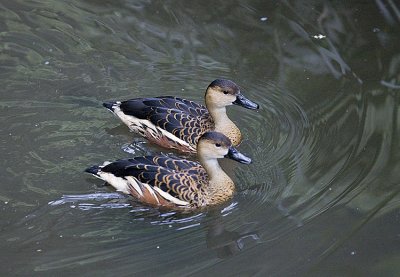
pixel 224 125
pixel 220 185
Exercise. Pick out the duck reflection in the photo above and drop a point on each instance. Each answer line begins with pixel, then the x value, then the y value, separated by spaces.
pixel 227 242
pixel 225 234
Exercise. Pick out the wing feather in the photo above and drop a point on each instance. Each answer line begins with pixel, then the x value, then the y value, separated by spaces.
pixel 183 118
pixel 180 178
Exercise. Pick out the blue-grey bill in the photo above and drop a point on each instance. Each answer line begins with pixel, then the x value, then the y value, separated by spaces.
pixel 244 102
pixel 237 156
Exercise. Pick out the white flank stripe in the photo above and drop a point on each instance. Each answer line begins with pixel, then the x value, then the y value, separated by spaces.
pixel 150 189
pixel 134 121
pixel 105 163
pixel 133 182
pixel 175 138
pixel 120 184
pixel 170 197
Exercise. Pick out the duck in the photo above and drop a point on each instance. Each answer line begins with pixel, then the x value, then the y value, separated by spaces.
pixel 178 123
pixel 172 182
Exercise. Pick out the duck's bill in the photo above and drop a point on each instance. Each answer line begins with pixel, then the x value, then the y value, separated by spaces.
pixel 237 156
pixel 244 102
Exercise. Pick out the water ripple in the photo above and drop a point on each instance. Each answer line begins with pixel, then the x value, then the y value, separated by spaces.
pixel 324 143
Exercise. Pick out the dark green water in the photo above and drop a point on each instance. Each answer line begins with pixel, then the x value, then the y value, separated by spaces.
pixel 320 199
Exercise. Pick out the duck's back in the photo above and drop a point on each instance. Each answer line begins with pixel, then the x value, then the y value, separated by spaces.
pixel 168 121
pixel 179 178
pixel 137 107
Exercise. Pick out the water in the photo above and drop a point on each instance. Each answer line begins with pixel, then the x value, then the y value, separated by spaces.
pixel 322 197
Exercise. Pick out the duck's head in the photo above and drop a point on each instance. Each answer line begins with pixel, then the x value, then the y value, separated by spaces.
pixel 215 145
pixel 222 93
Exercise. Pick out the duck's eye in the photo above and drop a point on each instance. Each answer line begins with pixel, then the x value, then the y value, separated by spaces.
pixel 225 92
pixel 218 145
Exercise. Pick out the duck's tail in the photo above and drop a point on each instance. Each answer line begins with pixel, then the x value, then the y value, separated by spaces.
pixel 117 174
pixel 93 170
pixel 111 105
pixel 118 182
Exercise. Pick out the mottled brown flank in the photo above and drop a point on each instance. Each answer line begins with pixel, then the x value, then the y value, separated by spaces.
pixel 183 179
pixel 187 121
pixel 166 142
pixel 235 138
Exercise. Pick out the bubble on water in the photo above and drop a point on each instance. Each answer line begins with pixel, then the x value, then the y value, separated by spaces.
pixel 319 36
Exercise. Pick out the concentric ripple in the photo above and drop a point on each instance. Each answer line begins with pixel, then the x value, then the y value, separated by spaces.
pixel 274 135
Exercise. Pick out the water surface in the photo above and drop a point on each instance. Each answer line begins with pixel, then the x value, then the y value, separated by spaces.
pixel 320 199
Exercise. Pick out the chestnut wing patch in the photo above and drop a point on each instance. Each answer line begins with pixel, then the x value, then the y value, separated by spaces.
pixel 183 118
pixel 178 177
pixel 185 126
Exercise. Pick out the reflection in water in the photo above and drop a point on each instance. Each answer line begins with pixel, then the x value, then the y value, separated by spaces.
pixel 322 196
pixel 227 243
pixel 224 242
